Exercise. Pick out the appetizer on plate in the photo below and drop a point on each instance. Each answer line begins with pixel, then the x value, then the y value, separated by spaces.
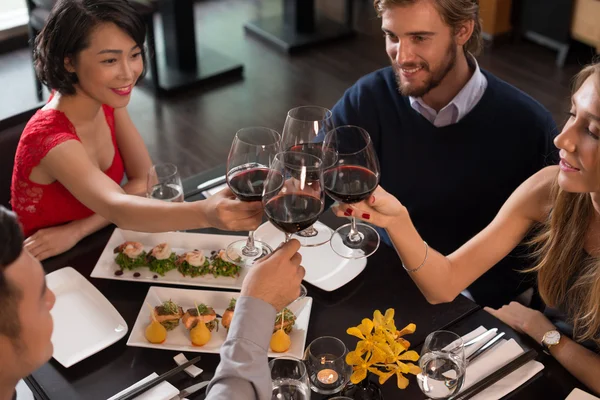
pixel 228 314
pixel 161 259
pixel 201 321
pixel 155 333
pixel 130 255
pixel 201 313
pixel 193 263
pixel 280 340
pixel 168 314
pixel 220 266
pixel 285 320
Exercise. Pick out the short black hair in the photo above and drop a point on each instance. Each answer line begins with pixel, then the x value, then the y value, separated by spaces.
pixel 67 32
pixel 11 246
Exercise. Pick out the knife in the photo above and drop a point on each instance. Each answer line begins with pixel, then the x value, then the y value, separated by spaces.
pixel 485 347
pixel 478 338
pixel 189 390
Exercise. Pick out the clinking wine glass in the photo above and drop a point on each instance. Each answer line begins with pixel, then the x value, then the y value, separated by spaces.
pixel 352 178
pixel 248 163
pixel 294 197
pixel 304 130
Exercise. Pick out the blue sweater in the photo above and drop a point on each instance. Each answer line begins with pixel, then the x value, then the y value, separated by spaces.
pixel 454 179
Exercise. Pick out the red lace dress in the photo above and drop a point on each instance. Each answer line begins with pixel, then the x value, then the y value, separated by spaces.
pixel 38 205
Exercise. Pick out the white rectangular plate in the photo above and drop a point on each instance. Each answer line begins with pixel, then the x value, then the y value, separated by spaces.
pixel 84 320
pixel 578 394
pixel 180 242
pixel 178 339
pixel 324 268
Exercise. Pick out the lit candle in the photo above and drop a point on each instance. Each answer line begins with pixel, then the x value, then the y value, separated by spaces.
pixel 327 376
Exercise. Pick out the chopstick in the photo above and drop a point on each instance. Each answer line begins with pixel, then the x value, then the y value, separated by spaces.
pixel 495 376
pixel 150 384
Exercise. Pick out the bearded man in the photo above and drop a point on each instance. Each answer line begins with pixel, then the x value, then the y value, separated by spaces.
pixel 448 134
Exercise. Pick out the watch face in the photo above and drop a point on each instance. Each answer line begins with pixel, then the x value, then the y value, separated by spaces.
pixel 552 338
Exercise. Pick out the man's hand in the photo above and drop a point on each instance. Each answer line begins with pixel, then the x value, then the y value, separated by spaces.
pixel 276 278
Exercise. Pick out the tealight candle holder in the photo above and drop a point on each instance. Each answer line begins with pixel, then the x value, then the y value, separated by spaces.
pixel 326 363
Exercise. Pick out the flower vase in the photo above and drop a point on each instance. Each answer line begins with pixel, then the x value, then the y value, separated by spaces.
pixel 367 389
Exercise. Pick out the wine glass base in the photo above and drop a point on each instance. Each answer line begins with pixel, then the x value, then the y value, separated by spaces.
pixel 237 252
pixel 317 236
pixel 344 246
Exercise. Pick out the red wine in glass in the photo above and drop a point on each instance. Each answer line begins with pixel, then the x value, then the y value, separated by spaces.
pixel 350 183
pixel 293 213
pixel 247 181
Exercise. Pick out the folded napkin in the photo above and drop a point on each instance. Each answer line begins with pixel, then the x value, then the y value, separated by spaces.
pixel 492 360
pixel 162 391
pixel 578 394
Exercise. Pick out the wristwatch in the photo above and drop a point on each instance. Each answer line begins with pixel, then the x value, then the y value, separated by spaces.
pixel 551 338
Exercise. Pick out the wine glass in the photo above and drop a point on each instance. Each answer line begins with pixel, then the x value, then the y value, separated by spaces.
pixel 247 167
pixel 164 183
pixel 352 178
pixel 289 378
pixel 294 198
pixel 304 130
pixel 442 364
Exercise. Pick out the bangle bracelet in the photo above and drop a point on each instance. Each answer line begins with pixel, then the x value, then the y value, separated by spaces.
pixel 423 263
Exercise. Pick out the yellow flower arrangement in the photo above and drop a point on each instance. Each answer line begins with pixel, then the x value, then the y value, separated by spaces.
pixel 382 350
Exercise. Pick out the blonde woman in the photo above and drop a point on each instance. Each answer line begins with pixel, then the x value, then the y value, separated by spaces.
pixel 561 205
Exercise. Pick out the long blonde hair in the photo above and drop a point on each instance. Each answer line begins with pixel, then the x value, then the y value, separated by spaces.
pixel 567 277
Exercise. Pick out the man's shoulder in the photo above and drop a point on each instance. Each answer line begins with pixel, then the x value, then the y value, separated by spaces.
pixel 513 98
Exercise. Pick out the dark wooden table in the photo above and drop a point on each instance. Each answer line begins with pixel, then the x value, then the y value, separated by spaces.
pixel 381 285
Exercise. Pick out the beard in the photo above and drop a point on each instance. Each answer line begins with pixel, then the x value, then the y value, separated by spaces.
pixel 433 79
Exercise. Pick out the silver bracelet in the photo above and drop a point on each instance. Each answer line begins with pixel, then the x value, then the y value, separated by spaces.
pixel 423 263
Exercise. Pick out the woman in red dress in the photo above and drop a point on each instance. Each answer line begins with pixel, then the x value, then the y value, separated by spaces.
pixel 75 152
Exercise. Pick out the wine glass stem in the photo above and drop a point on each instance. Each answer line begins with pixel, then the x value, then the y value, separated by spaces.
pixel 250 249
pixel 288 236
pixel 354 235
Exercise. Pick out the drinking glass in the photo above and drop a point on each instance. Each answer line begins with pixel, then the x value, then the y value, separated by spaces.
pixel 290 379
pixel 326 363
pixel 442 364
pixel 304 130
pixel 293 194
pixel 164 183
pixel 248 163
pixel 352 178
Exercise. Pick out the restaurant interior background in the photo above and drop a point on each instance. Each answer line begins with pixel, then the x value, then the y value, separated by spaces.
pixel 536 45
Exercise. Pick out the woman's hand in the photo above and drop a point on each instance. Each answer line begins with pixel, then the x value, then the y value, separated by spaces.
pixel 224 211
pixel 523 319
pixel 50 242
pixel 381 209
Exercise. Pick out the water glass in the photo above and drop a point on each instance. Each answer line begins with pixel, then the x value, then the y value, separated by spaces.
pixel 164 183
pixel 326 363
pixel 442 364
pixel 290 379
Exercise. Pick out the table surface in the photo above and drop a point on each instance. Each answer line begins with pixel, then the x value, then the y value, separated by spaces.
pixel 383 284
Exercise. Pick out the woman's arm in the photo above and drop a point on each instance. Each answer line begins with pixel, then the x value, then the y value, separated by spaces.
pixel 584 364
pixel 442 278
pixel 49 242
pixel 69 164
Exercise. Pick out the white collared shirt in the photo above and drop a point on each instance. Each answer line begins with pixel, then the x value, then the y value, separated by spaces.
pixel 461 104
